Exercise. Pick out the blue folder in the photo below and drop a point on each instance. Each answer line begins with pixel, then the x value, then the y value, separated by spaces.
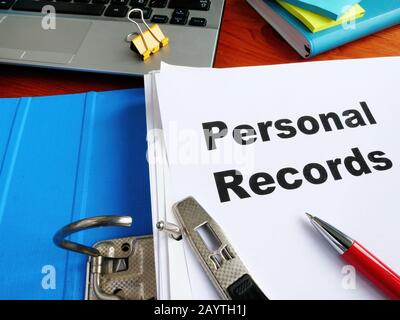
pixel 64 158
pixel 379 14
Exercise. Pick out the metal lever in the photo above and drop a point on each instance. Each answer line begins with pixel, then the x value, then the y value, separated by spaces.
pixel 223 266
pixel 84 224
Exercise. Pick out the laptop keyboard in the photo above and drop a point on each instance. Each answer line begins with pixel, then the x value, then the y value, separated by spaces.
pixel 120 8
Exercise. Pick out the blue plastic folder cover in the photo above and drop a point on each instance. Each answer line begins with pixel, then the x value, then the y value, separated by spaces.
pixel 64 158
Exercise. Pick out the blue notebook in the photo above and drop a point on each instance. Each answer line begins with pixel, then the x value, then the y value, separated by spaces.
pixel 64 158
pixel 378 16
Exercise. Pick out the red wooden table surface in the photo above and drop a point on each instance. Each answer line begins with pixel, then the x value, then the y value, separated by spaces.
pixel 245 39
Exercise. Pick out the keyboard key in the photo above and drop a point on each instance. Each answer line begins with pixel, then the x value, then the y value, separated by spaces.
pixel 138 3
pixel 101 1
pixel 198 22
pixel 179 16
pixel 159 19
pixel 120 2
pixel 203 5
pixel 61 7
pixel 178 20
pixel 6 4
pixel 83 1
pixel 146 13
pixel 158 3
pixel 180 12
pixel 116 11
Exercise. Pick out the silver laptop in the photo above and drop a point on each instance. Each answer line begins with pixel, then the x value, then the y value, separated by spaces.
pixel 90 35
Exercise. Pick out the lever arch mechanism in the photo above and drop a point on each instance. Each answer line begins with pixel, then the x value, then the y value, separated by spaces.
pixel 117 269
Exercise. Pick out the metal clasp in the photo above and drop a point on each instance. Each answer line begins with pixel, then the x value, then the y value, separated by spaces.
pixel 171 229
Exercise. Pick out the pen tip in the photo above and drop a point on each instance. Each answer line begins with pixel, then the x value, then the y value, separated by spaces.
pixel 309 216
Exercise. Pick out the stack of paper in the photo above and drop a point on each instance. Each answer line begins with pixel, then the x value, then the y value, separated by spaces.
pixel 278 149
pixel 169 255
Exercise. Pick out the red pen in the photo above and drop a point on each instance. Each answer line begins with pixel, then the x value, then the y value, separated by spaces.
pixel 359 257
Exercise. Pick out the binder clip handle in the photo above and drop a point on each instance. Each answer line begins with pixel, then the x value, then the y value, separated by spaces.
pixel 146 42
pixel 144 22
pixel 130 36
pixel 84 224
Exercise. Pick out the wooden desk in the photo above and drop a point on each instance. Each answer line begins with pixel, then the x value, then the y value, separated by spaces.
pixel 245 39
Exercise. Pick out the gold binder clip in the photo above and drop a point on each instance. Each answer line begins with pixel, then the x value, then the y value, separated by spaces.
pixel 147 42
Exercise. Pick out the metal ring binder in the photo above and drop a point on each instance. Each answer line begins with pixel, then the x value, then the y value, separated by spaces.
pixel 84 224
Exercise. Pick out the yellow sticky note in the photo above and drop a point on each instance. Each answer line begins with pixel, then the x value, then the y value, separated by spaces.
pixel 316 22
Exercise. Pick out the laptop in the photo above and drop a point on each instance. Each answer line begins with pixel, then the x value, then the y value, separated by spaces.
pixel 90 35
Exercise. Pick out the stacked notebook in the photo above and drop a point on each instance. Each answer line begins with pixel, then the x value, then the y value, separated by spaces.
pixel 314 26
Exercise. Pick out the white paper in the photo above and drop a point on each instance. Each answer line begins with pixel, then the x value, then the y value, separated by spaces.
pixel 156 192
pixel 171 269
pixel 271 234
